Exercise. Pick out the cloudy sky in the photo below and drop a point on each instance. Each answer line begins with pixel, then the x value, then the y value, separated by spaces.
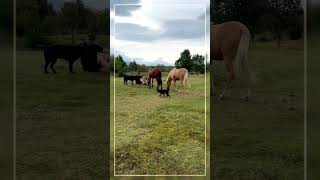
pixel 157 31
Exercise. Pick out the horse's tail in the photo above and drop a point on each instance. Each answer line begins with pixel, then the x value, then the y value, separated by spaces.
pixel 242 57
pixel 185 80
pixel 242 53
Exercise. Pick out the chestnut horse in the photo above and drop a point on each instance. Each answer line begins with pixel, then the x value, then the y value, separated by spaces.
pixel 154 73
pixel 230 43
pixel 176 75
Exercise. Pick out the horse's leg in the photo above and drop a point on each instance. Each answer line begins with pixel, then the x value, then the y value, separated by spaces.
pixel 46 66
pixel 230 76
pixel 182 82
pixel 174 85
pixel 70 66
pixel 52 64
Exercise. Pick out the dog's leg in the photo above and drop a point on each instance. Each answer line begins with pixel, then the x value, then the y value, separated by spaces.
pixel 53 62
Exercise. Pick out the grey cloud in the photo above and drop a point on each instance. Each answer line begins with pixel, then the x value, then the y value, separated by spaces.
pixel 184 29
pixel 133 32
pixel 123 10
pixel 174 29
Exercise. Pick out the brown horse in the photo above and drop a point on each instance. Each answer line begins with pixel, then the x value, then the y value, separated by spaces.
pixel 154 73
pixel 230 43
pixel 176 75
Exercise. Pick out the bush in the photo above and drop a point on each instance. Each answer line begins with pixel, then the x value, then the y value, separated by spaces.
pixel 121 73
pixel 35 40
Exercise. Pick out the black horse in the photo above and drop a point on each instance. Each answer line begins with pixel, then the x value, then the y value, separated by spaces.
pixel 131 78
pixel 71 53
pixel 68 52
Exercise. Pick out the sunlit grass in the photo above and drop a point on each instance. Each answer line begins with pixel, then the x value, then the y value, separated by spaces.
pixel 157 135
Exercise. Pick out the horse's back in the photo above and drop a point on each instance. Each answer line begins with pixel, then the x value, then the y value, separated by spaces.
pixel 154 73
pixel 177 74
pixel 69 52
pixel 225 39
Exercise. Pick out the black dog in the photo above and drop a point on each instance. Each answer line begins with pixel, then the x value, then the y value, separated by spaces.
pixel 164 92
pixel 68 52
pixel 131 78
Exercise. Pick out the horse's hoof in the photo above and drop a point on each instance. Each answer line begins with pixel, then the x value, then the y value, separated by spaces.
pixel 222 97
pixel 245 98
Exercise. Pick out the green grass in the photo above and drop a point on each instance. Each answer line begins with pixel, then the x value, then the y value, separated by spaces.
pixel 60 121
pixel 262 138
pixel 160 136
pixel 259 139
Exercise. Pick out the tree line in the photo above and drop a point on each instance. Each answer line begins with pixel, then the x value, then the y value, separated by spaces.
pixel 37 19
pixel 193 63
pixel 278 17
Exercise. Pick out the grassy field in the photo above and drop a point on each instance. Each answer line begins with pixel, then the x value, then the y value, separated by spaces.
pixel 259 139
pixel 262 138
pixel 157 135
pixel 61 125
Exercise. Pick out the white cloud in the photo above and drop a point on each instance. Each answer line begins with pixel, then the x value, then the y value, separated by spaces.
pixel 154 14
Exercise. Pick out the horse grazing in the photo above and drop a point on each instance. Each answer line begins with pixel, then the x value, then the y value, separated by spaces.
pixel 154 73
pixel 131 78
pixel 68 52
pixel 230 43
pixel 176 75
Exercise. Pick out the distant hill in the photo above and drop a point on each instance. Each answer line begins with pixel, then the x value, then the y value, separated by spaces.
pixel 141 61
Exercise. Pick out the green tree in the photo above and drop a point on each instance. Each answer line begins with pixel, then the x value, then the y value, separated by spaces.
pixel 120 66
pixel 285 17
pixel 73 16
pixel 185 60
pixel 198 64
pixel 275 16
pixel 143 68
pixel 133 66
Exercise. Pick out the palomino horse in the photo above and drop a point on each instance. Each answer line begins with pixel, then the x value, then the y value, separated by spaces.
pixel 154 73
pixel 230 43
pixel 176 75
